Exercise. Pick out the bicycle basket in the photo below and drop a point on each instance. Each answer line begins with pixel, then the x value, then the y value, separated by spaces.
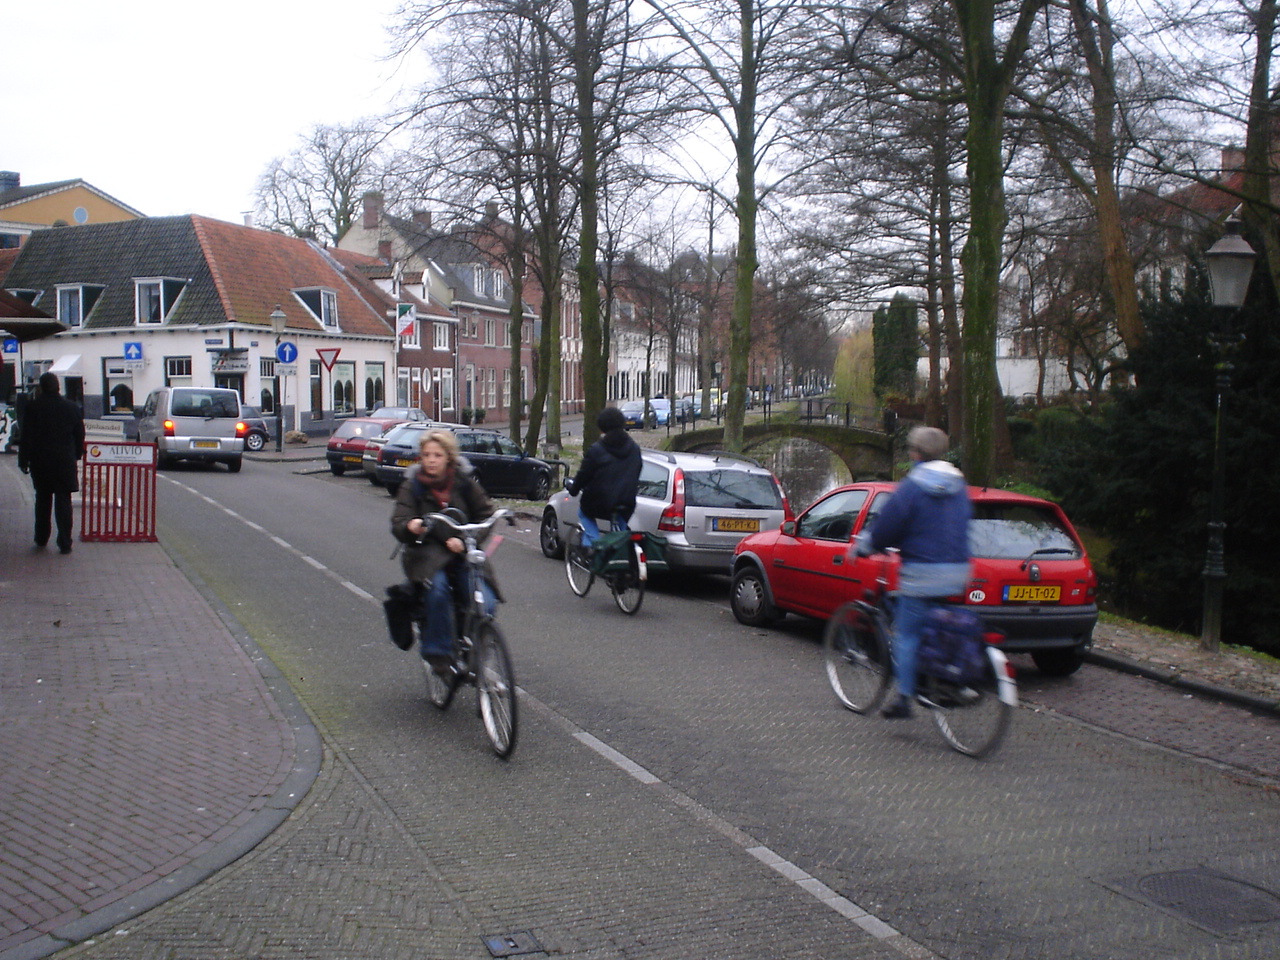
pixel 952 646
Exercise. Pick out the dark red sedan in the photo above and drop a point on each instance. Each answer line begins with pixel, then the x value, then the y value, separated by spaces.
pixel 345 450
pixel 1031 577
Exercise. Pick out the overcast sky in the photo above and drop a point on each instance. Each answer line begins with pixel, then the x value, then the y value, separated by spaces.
pixel 177 108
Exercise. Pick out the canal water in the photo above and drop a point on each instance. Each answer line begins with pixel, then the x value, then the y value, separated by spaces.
pixel 806 469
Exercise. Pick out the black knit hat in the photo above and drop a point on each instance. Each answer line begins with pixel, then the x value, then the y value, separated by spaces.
pixel 610 418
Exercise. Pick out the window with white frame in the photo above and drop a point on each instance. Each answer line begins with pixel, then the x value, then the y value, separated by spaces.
pixel 322 303
pixel 477 279
pixel 506 388
pixel 441 339
pixel 491 382
pixel 75 302
pixel 489 339
pixel 447 400
pixel 499 285
pixel 177 372
pixel 343 387
pixel 375 391
pixel 154 298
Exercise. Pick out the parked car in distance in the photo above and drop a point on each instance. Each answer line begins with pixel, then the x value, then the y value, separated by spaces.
pixel 684 409
pixel 1031 577
pixel 345 449
pixel 503 469
pixel 194 423
pixel 702 504
pixel 401 413
pixel 633 415
pixel 257 432
pixel 660 409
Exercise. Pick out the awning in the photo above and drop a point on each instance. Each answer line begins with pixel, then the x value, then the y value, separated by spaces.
pixel 65 364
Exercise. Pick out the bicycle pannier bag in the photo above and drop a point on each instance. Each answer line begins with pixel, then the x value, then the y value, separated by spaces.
pixel 951 645
pixel 401 606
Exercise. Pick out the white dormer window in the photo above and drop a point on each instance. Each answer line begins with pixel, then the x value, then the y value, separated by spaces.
pixel 499 285
pixel 154 298
pixel 322 303
pixel 75 302
pixel 30 296
pixel 477 279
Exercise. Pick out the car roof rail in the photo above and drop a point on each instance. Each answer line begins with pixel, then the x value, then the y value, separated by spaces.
pixel 666 455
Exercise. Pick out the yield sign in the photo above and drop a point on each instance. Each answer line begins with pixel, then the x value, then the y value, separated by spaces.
pixel 328 355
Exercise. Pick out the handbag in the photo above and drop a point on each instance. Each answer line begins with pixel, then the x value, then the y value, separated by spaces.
pixel 402 605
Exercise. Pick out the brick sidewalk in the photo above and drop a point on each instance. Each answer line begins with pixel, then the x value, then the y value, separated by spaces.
pixel 144 746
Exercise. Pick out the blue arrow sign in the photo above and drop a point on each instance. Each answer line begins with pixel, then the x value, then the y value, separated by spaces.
pixel 10 344
pixel 133 350
pixel 286 351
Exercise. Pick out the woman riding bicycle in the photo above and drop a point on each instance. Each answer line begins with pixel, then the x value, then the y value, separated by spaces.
pixel 608 478
pixel 927 519
pixel 441 479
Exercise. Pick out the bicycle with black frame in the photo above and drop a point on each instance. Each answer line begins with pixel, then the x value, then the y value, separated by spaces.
pixel 972 708
pixel 479 655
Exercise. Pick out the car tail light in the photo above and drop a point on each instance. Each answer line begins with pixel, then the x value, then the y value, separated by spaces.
pixel 170 428
pixel 241 428
pixel 672 519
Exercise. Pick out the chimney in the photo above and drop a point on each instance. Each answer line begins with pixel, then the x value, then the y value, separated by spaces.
pixel 384 250
pixel 491 209
pixel 1232 160
pixel 9 180
pixel 422 218
pixel 372 210
pixel 248 218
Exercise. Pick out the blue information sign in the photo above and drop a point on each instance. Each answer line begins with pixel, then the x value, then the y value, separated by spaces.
pixel 10 344
pixel 286 351
pixel 133 350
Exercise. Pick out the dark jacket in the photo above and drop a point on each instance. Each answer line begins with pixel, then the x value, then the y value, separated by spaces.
pixel 422 561
pixel 609 476
pixel 50 443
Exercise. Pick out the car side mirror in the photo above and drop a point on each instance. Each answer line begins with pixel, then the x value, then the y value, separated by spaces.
pixel 788 528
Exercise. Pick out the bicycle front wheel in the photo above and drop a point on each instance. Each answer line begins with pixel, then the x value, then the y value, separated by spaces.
pixel 496 688
pixel 857 657
pixel 972 719
pixel 575 564
pixel 627 589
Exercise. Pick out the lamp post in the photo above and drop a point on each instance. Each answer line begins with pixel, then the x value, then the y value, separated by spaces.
pixel 278 321
pixel 1230 266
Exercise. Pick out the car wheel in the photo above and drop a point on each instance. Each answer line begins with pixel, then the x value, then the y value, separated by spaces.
pixel 235 465
pixel 549 536
pixel 392 488
pixel 254 442
pixel 1058 663
pixel 749 598
pixel 374 479
pixel 337 469
pixel 541 487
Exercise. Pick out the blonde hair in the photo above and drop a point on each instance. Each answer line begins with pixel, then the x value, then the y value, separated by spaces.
pixel 446 439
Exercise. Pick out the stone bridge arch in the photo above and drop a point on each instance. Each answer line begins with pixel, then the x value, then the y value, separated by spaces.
pixel 867 453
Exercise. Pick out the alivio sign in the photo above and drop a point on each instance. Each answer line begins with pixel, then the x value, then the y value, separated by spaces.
pixel 138 454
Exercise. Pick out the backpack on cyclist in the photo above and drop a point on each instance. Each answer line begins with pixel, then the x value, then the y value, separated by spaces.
pixel 952 646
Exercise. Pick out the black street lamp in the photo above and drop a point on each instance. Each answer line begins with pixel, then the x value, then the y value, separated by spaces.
pixel 1230 266
pixel 278 321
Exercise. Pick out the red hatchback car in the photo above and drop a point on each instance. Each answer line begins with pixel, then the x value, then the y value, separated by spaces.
pixel 345 450
pixel 1031 578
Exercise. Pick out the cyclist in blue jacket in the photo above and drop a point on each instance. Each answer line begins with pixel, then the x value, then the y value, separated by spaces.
pixel 927 519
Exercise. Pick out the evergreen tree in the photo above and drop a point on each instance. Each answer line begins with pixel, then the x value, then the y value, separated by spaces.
pixel 896 335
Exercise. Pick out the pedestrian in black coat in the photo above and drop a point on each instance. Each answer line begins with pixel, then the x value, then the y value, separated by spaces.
pixel 50 445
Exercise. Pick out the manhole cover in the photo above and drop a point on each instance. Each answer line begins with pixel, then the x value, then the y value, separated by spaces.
pixel 1213 901
pixel 512 944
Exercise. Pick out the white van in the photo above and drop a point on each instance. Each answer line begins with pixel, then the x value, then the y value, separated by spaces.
pixel 194 423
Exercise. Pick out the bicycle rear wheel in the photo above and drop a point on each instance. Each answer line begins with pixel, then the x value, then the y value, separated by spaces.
pixel 575 564
pixel 973 719
pixel 857 657
pixel 627 590
pixel 496 688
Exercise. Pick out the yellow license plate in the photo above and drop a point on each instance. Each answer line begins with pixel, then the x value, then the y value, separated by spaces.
pixel 1032 593
pixel 404 463
pixel 351 459
pixel 205 444
pixel 735 524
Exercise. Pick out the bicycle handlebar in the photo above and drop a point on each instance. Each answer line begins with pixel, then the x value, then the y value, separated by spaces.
pixel 465 530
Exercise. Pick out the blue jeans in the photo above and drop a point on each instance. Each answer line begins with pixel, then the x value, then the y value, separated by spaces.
pixel 591 529
pixel 909 615
pixel 436 626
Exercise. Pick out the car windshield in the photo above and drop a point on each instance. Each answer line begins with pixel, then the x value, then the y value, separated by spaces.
pixel 357 428
pixel 404 435
pixel 1017 531
pixel 731 488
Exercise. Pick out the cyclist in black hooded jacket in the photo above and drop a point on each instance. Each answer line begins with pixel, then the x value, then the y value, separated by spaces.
pixel 608 478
